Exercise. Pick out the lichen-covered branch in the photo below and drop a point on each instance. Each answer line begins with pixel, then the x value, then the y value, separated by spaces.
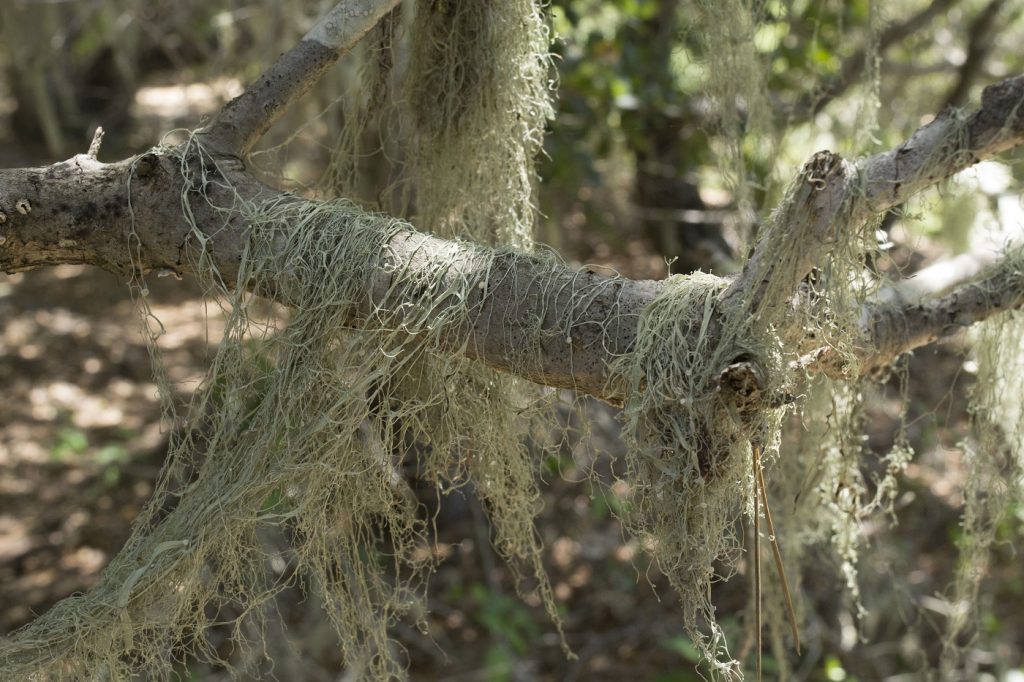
pixel 126 217
pixel 949 144
pixel 832 197
pixel 896 327
pixel 245 119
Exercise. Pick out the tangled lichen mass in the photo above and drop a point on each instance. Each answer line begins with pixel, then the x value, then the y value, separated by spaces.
pixel 303 423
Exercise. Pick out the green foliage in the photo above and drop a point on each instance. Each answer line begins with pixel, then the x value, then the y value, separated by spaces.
pixel 630 67
pixel 73 443
pixel 506 618
pixel 834 671
pixel 70 441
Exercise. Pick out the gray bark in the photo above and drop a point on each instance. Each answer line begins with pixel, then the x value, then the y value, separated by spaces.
pixel 126 217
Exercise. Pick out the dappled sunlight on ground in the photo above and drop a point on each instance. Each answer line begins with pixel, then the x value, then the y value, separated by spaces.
pixel 80 435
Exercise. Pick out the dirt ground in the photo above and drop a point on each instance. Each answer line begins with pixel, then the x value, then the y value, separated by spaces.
pixel 81 444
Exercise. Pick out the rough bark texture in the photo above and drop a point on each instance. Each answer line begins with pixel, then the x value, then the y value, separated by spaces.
pixel 126 217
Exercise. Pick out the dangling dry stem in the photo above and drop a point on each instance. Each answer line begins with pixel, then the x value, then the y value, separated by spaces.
pixel 773 539
pixel 756 555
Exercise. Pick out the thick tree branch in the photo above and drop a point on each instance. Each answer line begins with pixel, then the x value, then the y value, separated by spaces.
pixel 75 211
pixel 127 217
pixel 249 116
pixel 88 212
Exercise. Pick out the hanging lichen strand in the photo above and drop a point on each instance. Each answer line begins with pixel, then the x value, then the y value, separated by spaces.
pixel 288 430
pixel 736 86
pixel 478 98
pixel 365 164
pixel 688 448
pixel 995 466
pixel 687 455
pixel 303 427
pixel 688 443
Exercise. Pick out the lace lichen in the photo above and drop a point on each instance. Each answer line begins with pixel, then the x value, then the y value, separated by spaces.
pixel 479 95
pixel 744 122
pixel 303 424
pixel 995 467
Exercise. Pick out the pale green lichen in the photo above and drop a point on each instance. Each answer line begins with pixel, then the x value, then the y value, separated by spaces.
pixel 994 456
pixel 302 424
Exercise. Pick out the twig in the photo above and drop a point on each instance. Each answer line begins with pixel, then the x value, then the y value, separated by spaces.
pixel 773 540
pixel 758 643
pixel 761 499
pixel 97 140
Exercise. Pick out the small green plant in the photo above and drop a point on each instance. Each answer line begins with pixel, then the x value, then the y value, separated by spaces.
pixel 70 441
pixel 506 618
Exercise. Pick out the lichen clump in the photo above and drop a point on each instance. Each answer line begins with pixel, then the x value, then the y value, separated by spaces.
pixel 688 450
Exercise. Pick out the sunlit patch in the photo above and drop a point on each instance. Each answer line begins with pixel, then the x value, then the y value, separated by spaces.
pixel 181 101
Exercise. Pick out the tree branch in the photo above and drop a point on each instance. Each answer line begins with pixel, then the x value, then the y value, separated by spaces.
pixel 894 328
pixel 944 147
pixel 537 318
pixel 245 119
pixel 831 196
pixel 531 316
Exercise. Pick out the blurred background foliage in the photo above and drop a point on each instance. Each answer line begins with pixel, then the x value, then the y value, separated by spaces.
pixel 646 170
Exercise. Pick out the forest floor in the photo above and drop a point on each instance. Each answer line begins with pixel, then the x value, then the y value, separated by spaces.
pixel 81 444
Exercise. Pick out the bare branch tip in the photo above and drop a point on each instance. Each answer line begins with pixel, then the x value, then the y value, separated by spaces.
pixel 97 140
